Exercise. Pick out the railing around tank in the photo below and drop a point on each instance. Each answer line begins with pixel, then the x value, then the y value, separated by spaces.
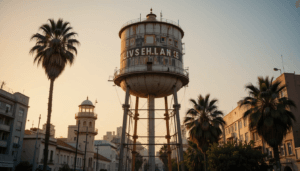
pixel 163 20
pixel 155 68
pixel 85 114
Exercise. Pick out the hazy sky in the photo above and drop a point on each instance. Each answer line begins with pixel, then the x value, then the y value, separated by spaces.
pixel 228 44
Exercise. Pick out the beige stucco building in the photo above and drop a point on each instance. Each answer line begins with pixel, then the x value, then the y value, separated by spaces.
pixel 237 129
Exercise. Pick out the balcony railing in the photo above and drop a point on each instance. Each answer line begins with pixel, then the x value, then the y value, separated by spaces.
pixel 6 113
pixel 86 114
pixel 163 20
pixel 155 68
pixel 3 143
pixel 4 127
pixel 89 130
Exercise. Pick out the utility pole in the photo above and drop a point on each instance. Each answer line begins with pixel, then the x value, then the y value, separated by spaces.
pixel 33 161
pixel 85 148
pixel 97 160
pixel 76 146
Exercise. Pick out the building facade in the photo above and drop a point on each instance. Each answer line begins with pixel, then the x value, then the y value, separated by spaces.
pixel 13 115
pixel 237 128
pixel 62 150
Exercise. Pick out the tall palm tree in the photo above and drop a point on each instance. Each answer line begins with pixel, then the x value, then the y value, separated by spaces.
pixel 203 122
pixel 54 49
pixel 268 113
pixel 193 157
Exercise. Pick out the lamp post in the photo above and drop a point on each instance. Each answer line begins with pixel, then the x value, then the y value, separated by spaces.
pixel 85 149
pixel 76 145
pixel 33 161
pixel 276 69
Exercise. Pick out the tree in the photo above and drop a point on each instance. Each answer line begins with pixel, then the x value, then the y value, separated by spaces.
pixel 24 166
pixel 163 156
pixel 193 157
pixel 54 49
pixel 238 156
pixel 268 113
pixel 138 161
pixel 203 122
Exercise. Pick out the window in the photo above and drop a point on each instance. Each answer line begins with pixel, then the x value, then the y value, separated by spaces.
pixel 51 155
pixel 7 108
pixel 247 137
pixel 176 43
pixel 290 149
pixel 282 150
pixel 74 138
pixel 61 159
pixel 235 128
pixel 242 138
pixel 2 150
pixel 58 158
pixel 84 123
pixel 132 41
pixel 170 41
pixel 240 124
pixel 269 152
pixel 67 159
pixel 16 140
pixel 245 122
pixel 21 112
pixel 19 125
pixel 163 39
pixel 90 124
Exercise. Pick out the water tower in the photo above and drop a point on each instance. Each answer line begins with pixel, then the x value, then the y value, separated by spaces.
pixel 151 66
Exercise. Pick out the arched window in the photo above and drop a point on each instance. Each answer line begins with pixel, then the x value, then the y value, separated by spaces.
pixel 90 124
pixel 84 123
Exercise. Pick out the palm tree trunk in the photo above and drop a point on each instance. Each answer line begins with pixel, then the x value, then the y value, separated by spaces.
pixel 205 162
pixel 48 125
pixel 276 156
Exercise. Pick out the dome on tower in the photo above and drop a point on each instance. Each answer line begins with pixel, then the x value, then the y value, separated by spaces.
pixel 87 102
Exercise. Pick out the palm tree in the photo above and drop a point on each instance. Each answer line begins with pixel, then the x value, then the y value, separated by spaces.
pixel 54 49
pixel 163 156
pixel 268 113
pixel 193 157
pixel 203 122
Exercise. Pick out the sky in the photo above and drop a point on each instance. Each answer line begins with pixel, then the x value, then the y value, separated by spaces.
pixel 228 45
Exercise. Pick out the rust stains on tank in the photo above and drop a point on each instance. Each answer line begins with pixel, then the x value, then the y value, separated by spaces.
pixel 134 29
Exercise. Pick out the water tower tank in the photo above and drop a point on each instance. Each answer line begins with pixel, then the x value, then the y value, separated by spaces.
pixel 151 59
pixel 151 66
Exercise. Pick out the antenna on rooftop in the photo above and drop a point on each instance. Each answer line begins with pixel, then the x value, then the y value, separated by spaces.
pixel 2 84
pixel 282 63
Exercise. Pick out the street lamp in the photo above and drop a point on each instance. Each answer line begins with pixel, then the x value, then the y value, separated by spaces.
pixel 76 131
pixel 85 149
pixel 33 161
pixel 276 69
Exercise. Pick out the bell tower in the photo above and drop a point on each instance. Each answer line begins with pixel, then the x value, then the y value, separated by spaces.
pixel 86 119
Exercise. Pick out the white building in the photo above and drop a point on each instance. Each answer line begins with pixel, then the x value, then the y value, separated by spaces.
pixel 62 151
pixel 13 115
pixel 109 151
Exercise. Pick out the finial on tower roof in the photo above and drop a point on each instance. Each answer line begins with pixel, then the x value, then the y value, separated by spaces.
pixel 151 10
pixel 87 97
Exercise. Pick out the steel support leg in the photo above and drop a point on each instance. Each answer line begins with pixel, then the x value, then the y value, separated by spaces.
pixel 125 107
pixel 151 132
pixel 168 137
pixel 176 107
pixel 136 116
